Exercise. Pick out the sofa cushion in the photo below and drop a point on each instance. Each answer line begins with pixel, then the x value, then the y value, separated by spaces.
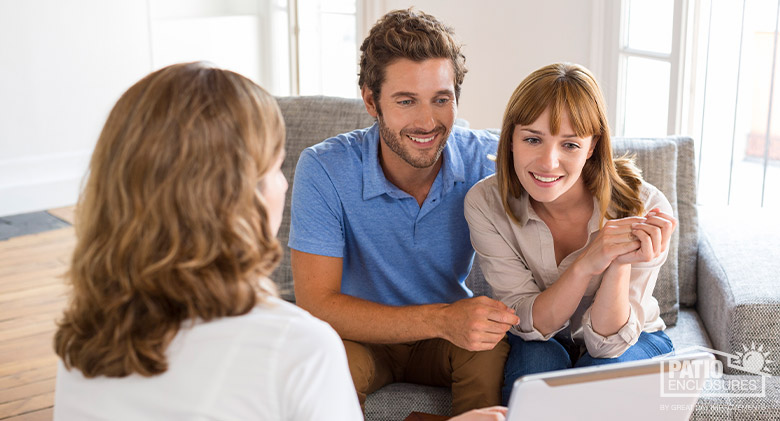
pixel 689 332
pixel 397 400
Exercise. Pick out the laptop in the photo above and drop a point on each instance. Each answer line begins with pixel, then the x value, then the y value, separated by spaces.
pixel 662 388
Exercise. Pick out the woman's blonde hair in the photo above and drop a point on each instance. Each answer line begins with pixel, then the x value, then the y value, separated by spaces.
pixel 170 225
pixel 570 88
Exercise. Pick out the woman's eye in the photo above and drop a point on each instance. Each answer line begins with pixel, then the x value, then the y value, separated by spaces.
pixel 532 140
pixel 571 146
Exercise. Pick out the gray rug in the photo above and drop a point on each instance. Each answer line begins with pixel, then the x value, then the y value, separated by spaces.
pixel 28 223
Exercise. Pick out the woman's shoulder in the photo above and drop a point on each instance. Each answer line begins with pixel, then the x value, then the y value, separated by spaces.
pixel 484 191
pixel 294 327
pixel 484 201
pixel 279 310
pixel 653 197
pixel 272 317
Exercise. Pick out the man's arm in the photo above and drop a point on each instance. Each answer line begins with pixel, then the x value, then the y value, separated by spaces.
pixel 474 324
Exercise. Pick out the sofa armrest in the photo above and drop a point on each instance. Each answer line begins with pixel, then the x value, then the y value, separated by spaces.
pixel 738 289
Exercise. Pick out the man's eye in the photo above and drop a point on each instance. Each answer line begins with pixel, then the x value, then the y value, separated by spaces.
pixel 405 102
pixel 443 100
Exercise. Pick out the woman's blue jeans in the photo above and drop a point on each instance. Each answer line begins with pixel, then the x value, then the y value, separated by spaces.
pixel 529 357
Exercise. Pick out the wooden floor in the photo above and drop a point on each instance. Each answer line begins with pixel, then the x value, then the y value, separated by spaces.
pixel 32 296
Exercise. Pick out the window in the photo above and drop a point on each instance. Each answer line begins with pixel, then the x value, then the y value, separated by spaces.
pixel 327 60
pixel 707 69
pixel 248 37
pixel 648 66
pixel 735 115
pixel 290 47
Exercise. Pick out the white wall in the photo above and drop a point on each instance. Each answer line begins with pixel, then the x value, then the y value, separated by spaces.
pixel 505 40
pixel 63 64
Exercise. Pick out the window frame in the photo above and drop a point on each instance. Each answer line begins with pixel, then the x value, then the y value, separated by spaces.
pixel 610 50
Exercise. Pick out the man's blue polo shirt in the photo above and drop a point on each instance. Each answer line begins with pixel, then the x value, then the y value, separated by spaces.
pixel 394 251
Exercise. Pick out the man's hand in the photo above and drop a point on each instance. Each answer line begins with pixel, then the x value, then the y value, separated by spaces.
pixel 477 324
pixel 473 324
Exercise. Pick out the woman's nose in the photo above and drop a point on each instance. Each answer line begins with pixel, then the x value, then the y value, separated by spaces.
pixel 549 158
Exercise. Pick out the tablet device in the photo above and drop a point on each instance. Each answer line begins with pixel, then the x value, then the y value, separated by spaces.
pixel 662 388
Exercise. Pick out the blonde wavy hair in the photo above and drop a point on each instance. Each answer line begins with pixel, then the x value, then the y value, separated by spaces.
pixel 170 225
pixel 570 88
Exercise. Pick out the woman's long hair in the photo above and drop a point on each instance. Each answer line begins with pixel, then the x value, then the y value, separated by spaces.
pixel 170 225
pixel 570 88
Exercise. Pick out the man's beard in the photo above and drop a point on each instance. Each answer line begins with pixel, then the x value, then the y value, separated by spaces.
pixel 394 143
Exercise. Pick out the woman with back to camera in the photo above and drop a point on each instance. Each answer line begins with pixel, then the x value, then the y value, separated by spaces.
pixel 568 236
pixel 172 315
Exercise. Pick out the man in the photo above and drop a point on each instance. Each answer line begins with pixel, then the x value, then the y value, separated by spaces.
pixel 380 246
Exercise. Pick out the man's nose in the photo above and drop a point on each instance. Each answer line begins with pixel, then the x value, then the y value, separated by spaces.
pixel 424 119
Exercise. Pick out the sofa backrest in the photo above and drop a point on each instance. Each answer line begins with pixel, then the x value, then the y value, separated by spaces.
pixel 667 163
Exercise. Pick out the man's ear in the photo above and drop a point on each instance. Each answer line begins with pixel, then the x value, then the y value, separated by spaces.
pixel 368 101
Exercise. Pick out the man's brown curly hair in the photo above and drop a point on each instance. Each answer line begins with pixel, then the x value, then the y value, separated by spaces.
pixel 412 35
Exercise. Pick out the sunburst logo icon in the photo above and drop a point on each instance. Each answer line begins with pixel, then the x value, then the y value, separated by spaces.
pixel 752 360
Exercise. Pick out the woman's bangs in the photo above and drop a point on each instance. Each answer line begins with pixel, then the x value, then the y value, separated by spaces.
pixel 583 112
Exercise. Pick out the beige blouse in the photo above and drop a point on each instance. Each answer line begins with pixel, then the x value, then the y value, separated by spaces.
pixel 519 263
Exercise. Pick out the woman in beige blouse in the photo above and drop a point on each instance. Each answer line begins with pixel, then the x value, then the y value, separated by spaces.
pixel 568 236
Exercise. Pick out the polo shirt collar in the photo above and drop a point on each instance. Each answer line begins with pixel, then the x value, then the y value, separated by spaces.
pixel 375 183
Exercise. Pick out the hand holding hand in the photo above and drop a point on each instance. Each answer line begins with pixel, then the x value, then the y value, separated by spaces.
pixel 654 234
pixel 477 324
pixel 614 239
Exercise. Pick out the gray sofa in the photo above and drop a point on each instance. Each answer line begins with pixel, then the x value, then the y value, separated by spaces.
pixel 718 289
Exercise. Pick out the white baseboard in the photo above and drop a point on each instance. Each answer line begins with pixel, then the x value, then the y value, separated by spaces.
pixel 32 184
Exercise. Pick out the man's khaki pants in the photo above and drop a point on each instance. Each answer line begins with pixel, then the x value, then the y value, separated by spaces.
pixel 475 377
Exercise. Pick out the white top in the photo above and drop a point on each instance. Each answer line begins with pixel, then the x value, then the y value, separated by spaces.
pixel 276 362
pixel 518 261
